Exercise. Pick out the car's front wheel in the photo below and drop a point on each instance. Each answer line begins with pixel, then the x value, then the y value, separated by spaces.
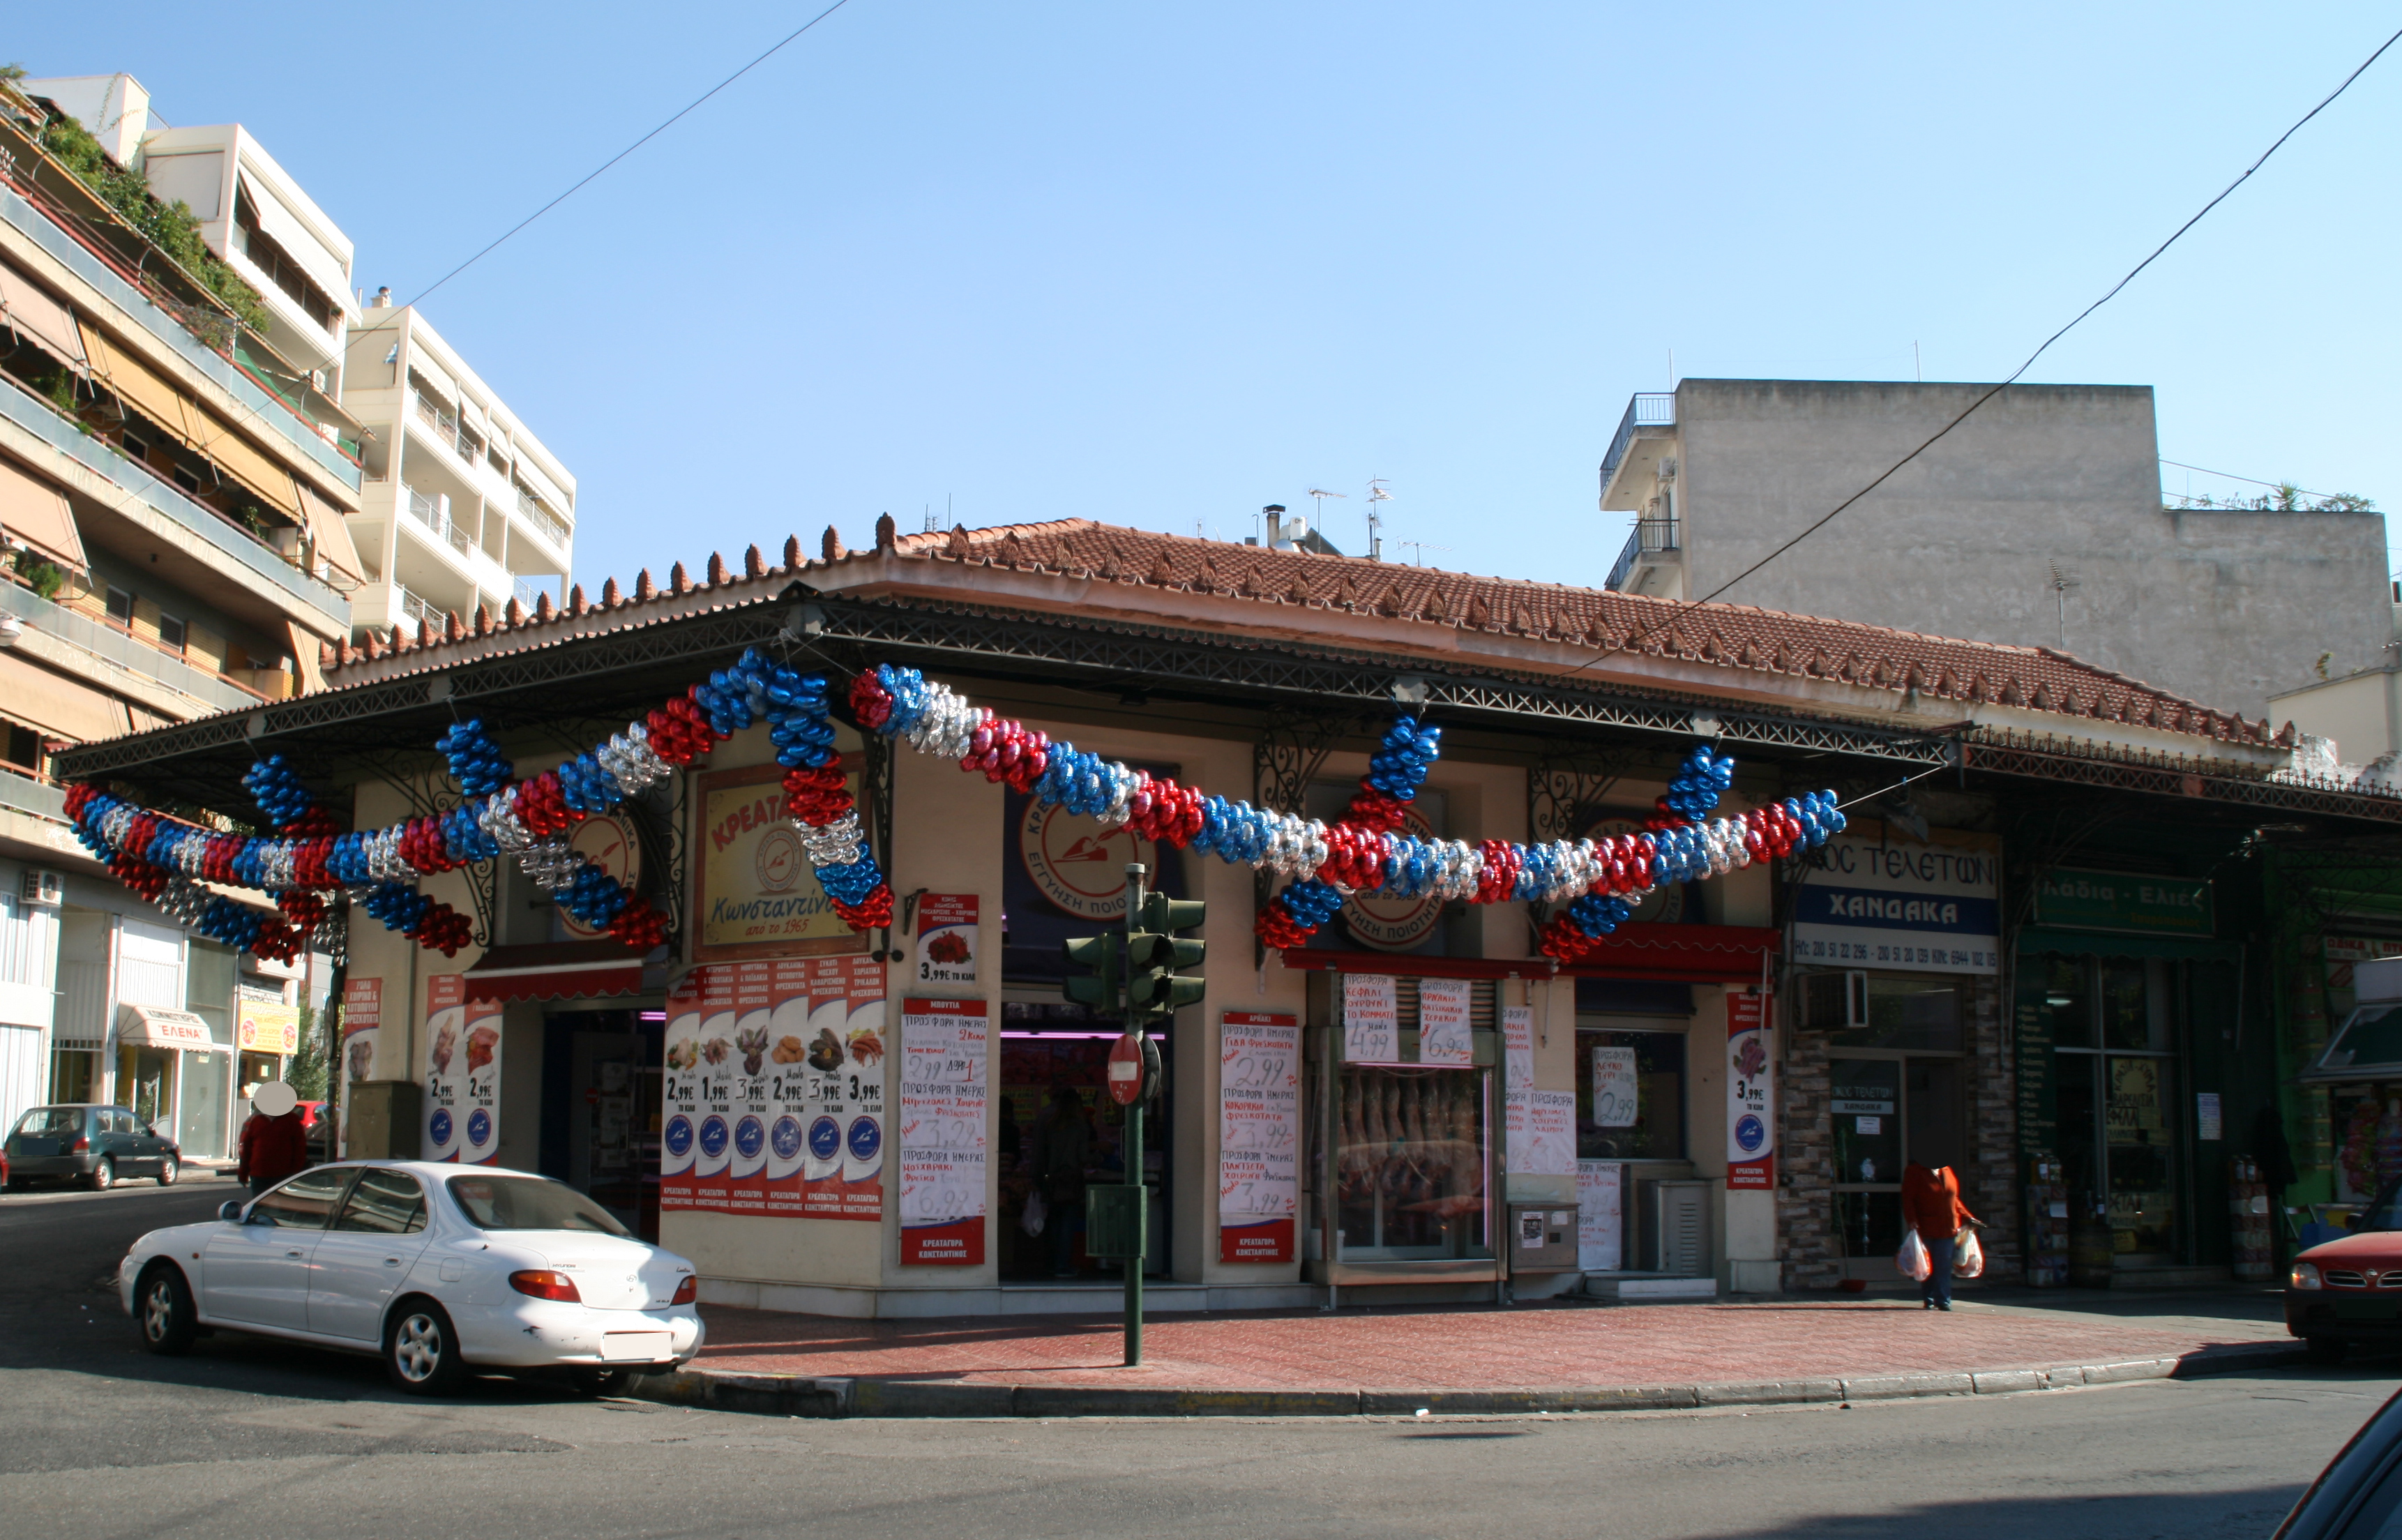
pixel 420 1349
pixel 167 1172
pixel 104 1176
pixel 162 1302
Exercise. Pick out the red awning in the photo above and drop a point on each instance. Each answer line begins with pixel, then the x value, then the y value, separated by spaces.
pixel 556 971
pixel 1314 961
pixel 1681 953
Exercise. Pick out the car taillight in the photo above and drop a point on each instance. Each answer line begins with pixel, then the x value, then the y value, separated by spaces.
pixel 542 1284
pixel 82 1143
pixel 686 1291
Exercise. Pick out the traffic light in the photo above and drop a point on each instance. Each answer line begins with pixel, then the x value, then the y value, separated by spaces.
pixel 1155 952
pixel 1103 955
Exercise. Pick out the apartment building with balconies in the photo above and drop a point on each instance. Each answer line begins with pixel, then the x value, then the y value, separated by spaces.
pixel 2039 520
pixel 173 544
pixel 463 507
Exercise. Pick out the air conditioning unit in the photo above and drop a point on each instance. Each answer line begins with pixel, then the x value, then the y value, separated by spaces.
pixel 1835 1002
pixel 42 886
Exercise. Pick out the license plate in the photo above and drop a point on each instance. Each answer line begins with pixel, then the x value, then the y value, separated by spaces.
pixel 644 1347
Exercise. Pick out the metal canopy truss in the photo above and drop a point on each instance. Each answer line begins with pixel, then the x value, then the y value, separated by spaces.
pixel 2016 755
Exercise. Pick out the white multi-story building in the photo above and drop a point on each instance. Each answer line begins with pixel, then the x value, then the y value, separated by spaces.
pixel 463 507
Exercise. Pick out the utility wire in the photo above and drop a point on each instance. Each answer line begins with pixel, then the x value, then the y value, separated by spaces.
pixel 1996 389
pixel 630 149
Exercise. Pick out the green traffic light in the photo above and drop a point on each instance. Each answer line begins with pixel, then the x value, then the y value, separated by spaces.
pixel 1101 956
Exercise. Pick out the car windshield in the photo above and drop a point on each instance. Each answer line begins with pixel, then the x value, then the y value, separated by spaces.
pixel 529 1203
pixel 2385 1213
pixel 52 1119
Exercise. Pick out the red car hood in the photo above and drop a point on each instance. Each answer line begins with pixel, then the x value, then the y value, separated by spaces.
pixel 2377 1250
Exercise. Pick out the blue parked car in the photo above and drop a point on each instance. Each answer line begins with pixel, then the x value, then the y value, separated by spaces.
pixel 94 1145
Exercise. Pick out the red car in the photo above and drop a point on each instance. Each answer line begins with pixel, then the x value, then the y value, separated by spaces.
pixel 2348 1291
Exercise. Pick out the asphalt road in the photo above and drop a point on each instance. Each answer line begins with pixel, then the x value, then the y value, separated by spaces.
pixel 247 1437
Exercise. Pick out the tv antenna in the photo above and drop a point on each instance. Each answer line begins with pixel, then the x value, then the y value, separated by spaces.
pixel 1421 547
pixel 1321 494
pixel 2063 584
pixel 1376 494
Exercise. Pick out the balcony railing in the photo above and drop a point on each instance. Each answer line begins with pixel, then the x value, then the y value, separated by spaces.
pixel 125 650
pixel 28 795
pixel 1644 409
pixel 455 438
pixel 544 519
pixel 428 512
pixel 1649 537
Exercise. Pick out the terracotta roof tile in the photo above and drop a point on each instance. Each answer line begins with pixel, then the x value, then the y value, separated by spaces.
pixel 1730 636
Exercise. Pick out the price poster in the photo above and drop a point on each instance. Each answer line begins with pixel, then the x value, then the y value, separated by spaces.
pixel 792 1091
pixel 843 1165
pixel 717 1068
pixel 1371 1019
pixel 1751 1100
pixel 947 938
pixel 680 1130
pixel 1259 1136
pixel 1442 1023
pixel 1517 1080
pixel 1616 1096
pixel 748 1106
pixel 944 1063
pixel 1550 1146
pixel 362 1022
pixel 1601 1216
pixel 463 1074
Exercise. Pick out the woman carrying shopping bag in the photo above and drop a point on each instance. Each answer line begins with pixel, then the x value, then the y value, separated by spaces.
pixel 1931 1205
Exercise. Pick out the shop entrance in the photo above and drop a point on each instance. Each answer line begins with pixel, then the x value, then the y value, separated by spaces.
pixel 603 1098
pixel 1060 1134
pixel 1897 1094
pixel 2113 1065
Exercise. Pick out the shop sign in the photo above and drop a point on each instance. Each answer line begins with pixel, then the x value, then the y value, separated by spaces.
pixel 1443 1033
pixel 1601 1216
pixel 1078 864
pixel 1259 1136
pixel 1751 1100
pixel 947 938
pixel 362 1020
pixel 463 1074
pixel 1617 1093
pixel 2123 903
pixel 753 894
pixel 944 1057
pixel 267 1026
pixel 1391 924
pixel 1875 897
pixel 774 1089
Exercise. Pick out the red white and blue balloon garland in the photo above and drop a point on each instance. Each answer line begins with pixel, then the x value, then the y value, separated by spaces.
pixel 1364 851
pixel 166 859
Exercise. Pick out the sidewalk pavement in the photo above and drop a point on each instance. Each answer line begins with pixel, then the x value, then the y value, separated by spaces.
pixel 1553 1357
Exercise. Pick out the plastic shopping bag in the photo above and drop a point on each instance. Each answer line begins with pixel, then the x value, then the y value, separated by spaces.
pixel 1968 1256
pixel 1031 1220
pixel 1912 1259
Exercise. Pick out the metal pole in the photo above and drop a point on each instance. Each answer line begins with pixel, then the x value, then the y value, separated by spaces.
pixel 1132 1154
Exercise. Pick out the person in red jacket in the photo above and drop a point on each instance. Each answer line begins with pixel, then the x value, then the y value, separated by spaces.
pixel 1930 1205
pixel 274 1144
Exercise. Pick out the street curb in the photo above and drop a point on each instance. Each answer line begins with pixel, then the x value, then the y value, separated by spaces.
pixel 807 1395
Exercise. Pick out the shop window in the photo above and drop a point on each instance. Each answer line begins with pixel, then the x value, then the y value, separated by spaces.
pixel 2137 1001
pixel 73 1072
pixel 1909 1012
pixel 2068 995
pixel 2114 1080
pixel 1409 1164
pixel 1630 1095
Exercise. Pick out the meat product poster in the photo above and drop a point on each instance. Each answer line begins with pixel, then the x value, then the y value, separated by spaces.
pixel 1442 1023
pixel 362 1024
pixel 749 1107
pixel 1371 1019
pixel 941 1132
pixel 1517 1081
pixel 1751 1093
pixel 680 1089
pixel 1601 1216
pixel 716 1068
pixel 463 1074
pixel 1259 1136
pixel 947 940
pixel 791 1088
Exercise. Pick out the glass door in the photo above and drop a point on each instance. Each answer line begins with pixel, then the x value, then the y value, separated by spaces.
pixel 1409 1164
pixel 2115 1071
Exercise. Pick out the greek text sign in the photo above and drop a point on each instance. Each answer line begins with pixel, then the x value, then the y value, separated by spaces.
pixel 1875 897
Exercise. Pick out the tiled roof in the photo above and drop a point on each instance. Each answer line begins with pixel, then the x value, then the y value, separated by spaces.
pixel 1736 637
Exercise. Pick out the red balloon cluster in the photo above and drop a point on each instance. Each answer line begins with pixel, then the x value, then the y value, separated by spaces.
pixel 1376 810
pixel 871 703
pixel 304 910
pixel 638 927
pixel 541 806
pixel 1500 878
pixel 817 796
pixel 444 930
pixel 1162 810
pixel 1004 750
pixel 1276 927
pixel 1355 855
pixel 679 733
pixel 872 913
pixel 422 846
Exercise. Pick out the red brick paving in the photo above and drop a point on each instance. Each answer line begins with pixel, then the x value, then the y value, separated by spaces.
pixel 1529 1347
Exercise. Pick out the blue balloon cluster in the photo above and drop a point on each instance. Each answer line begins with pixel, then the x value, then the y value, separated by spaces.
pixel 465 838
pixel 585 785
pixel 1600 913
pixel 1233 831
pixel 275 786
pixel 477 763
pixel 1538 871
pixel 1311 903
pixel 1694 793
pixel 1399 767
pixel 726 700
pixel 1079 780
pixel 594 898
pixel 797 723
pixel 910 695
pixel 1683 856
pixel 853 883
pixel 1817 814
pixel 235 925
pixel 401 909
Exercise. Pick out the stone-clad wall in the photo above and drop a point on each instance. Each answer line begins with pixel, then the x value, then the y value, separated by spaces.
pixel 1992 1076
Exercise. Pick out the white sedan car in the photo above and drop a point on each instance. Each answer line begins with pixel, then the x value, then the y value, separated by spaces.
pixel 436 1268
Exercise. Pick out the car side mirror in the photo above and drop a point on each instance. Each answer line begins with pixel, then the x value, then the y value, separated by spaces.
pixel 230 1211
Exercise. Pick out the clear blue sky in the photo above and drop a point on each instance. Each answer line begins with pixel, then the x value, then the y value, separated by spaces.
pixel 1160 266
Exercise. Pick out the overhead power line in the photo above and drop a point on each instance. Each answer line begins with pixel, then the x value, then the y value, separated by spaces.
pixel 1993 390
pixel 687 108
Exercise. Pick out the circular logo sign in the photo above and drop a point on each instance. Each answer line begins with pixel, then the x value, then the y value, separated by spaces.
pixel 439 1127
pixel 479 1129
pixel 679 1135
pixel 825 1138
pixel 1079 864
pixel 785 1138
pixel 866 1138
pixel 607 841
pixel 713 1137
pixel 1749 1133
pixel 750 1138
pixel 1395 925
pixel 780 858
